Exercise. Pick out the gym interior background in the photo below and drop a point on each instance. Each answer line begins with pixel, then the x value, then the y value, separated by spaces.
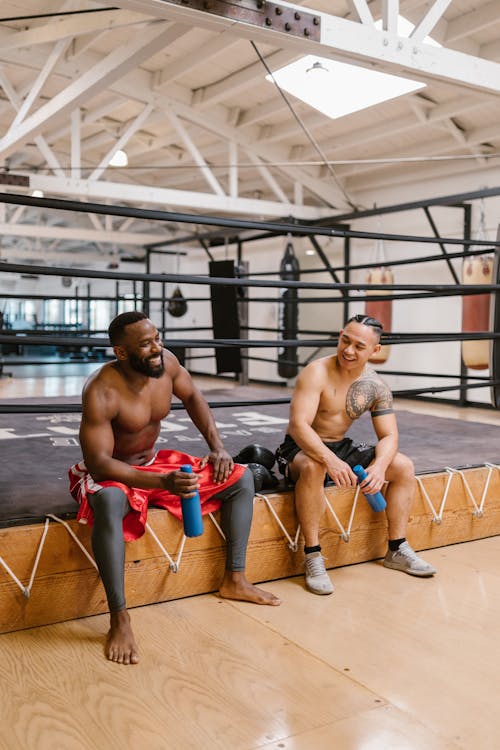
pixel 189 94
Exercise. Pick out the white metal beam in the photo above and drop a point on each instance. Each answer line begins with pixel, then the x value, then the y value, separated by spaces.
pixel 349 41
pixel 267 176
pixel 325 189
pixel 136 194
pixel 233 169
pixel 77 233
pixel 390 13
pixel 38 84
pixel 425 26
pixel 122 141
pixel 114 66
pixel 81 256
pixel 69 28
pixel 360 7
pixel 39 140
pixel 76 138
pixel 196 154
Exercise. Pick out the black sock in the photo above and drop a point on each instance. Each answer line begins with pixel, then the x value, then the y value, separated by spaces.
pixel 394 544
pixel 316 548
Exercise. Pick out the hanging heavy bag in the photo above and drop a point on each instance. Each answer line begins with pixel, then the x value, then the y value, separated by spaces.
pixel 381 310
pixel 477 269
pixel 177 305
pixel 495 328
pixel 288 314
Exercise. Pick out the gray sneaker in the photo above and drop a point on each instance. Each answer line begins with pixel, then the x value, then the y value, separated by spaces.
pixel 406 559
pixel 317 580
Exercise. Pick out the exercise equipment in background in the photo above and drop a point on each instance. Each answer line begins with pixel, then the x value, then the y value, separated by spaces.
pixel 225 316
pixel 495 327
pixel 381 310
pixel 177 305
pixel 477 269
pixel 288 314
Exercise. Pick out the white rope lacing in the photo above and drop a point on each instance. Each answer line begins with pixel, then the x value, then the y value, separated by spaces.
pixel 214 521
pixel 75 538
pixel 175 565
pixel 26 590
pixel 478 509
pixel 345 534
pixel 172 564
pixel 437 516
pixel 292 543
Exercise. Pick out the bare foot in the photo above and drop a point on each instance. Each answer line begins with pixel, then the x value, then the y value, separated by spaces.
pixel 236 586
pixel 120 644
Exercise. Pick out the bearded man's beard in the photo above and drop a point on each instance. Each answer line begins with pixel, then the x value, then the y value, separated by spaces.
pixel 145 367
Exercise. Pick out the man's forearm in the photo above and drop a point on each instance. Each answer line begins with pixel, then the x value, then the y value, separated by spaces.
pixel 203 419
pixel 386 449
pixel 309 442
pixel 113 470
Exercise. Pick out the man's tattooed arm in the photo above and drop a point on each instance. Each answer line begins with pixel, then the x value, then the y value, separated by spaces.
pixel 368 393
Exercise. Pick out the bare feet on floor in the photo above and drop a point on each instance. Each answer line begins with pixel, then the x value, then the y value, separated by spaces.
pixel 236 586
pixel 120 643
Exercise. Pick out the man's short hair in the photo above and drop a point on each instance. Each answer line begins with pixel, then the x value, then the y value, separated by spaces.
pixel 367 320
pixel 117 326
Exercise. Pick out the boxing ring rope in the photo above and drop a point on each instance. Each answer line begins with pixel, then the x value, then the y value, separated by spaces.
pixel 280 228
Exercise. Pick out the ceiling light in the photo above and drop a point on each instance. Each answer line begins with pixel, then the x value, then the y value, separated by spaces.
pixel 350 87
pixel 120 159
pixel 37 193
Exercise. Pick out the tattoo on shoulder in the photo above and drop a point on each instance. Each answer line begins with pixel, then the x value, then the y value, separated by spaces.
pixel 368 394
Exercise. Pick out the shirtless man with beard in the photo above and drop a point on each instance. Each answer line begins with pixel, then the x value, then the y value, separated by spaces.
pixel 329 395
pixel 123 404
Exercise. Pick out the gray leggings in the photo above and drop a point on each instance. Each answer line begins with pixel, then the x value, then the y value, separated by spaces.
pixel 110 506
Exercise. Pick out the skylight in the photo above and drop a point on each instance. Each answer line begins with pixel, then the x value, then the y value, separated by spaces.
pixel 337 89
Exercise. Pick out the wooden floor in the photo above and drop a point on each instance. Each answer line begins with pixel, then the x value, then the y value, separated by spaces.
pixel 388 662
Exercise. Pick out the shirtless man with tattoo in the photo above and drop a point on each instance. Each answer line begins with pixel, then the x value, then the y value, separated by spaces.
pixel 123 404
pixel 329 395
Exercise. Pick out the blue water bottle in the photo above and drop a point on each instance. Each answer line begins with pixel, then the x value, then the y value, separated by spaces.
pixel 377 501
pixel 191 510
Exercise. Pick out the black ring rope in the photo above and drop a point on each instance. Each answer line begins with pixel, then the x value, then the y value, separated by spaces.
pixel 378 264
pixel 222 281
pixel 384 373
pixel 389 338
pixel 76 408
pixel 202 219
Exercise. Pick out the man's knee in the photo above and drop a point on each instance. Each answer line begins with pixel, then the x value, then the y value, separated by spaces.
pixel 401 468
pixel 244 488
pixel 109 503
pixel 305 467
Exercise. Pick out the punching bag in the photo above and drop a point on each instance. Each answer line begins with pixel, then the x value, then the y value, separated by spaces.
pixel 225 316
pixel 495 328
pixel 381 310
pixel 177 305
pixel 477 269
pixel 288 314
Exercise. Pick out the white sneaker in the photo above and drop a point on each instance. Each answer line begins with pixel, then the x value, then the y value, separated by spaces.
pixel 317 579
pixel 407 560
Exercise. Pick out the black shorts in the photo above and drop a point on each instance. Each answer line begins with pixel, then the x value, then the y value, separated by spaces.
pixel 345 449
